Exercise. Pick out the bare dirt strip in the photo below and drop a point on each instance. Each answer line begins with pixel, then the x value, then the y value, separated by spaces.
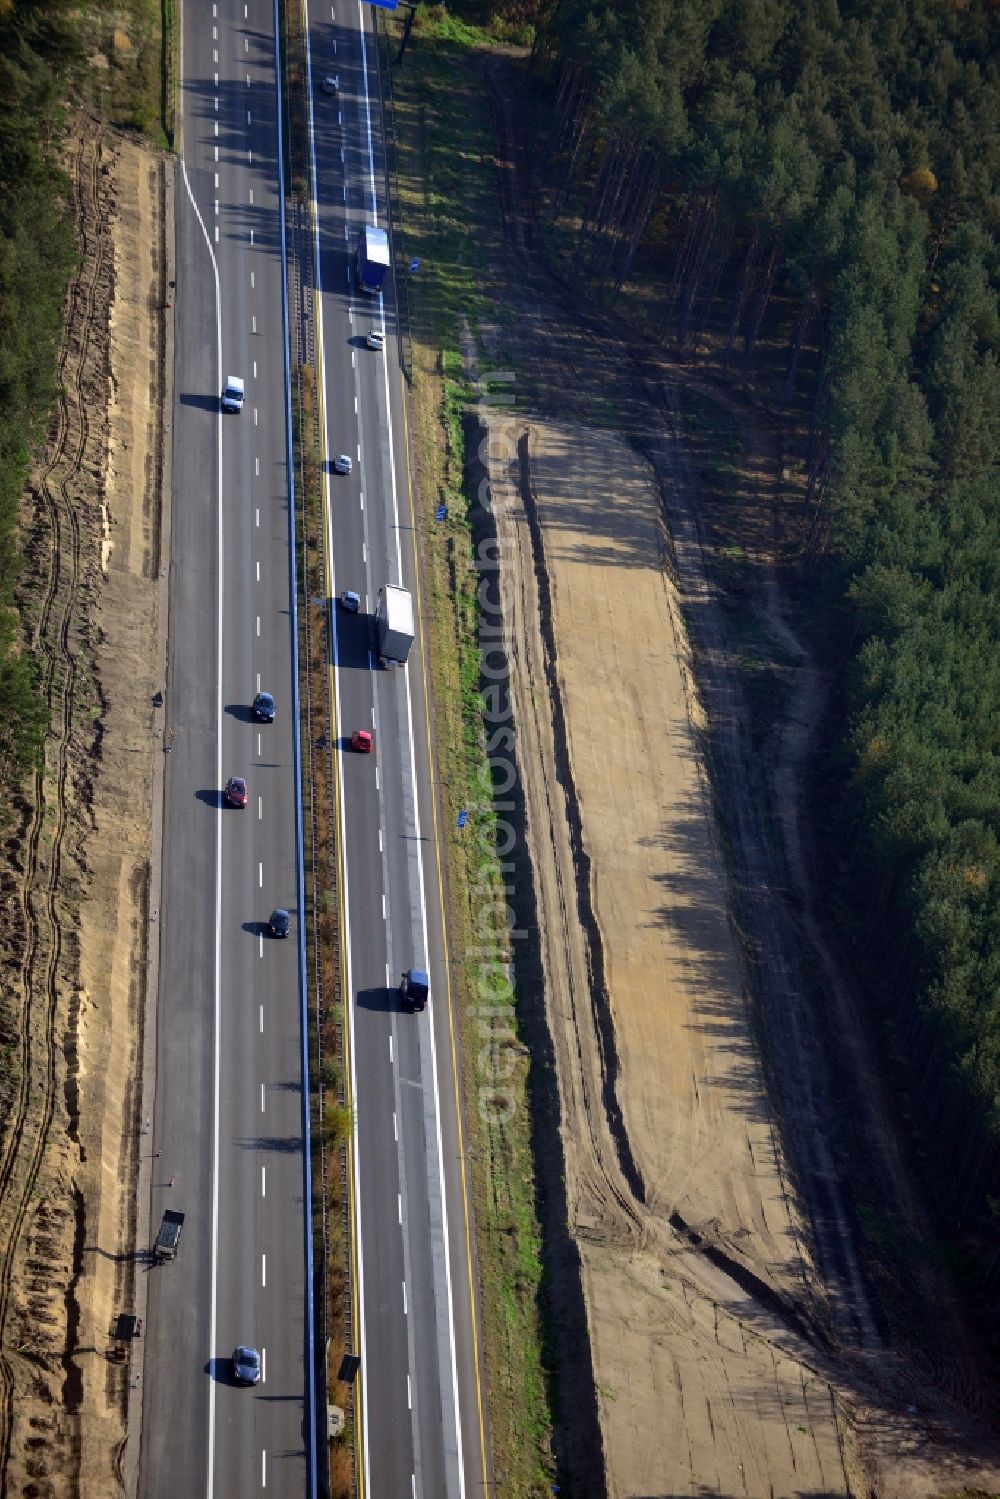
pixel 75 871
pixel 702 1384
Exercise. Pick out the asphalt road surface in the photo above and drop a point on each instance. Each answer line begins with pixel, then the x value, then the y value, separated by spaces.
pixel 229 1120
pixel 422 1423
pixel 229 1117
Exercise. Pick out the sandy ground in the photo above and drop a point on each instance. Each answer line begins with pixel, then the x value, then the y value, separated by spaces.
pixel 92 586
pixel 701 1386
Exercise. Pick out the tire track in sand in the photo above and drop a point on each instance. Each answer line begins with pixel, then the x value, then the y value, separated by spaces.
pixel 34 1106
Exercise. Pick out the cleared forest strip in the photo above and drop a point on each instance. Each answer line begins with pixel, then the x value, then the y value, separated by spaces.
pixel 703 1347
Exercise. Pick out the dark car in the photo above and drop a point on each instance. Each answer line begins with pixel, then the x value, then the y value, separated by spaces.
pixel 279 923
pixel 246 1365
pixel 263 707
pixel 414 989
pixel 236 792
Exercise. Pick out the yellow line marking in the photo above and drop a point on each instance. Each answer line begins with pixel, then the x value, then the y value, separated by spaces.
pixel 447 966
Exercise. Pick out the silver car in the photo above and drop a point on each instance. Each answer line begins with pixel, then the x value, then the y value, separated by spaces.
pixel 246 1365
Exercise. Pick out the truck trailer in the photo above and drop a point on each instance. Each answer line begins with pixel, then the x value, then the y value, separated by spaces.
pixel 372 258
pixel 394 625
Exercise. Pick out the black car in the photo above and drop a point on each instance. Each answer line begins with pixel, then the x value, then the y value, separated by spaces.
pixel 263 707
pixel 279 923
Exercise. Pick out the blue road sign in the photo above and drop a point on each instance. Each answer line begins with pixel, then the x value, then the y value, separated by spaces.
pixel 385 4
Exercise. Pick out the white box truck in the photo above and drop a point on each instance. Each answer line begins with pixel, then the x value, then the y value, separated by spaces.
pixel 394 625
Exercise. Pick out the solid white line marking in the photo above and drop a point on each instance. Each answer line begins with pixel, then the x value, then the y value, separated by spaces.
pixel 409 1395
pixel 354 356
pixel 216 207
pixel 246 44
pixel 364 548
pixel 248 116
pixel 359 445
pixel 255 417
pixel 387 985
pixel 251 280
pixel 256 462
pixel 260 954
pixel 255 369
pixel 380 840
pixel 263 1366
pixel 249 152
pixel 256 521
pixel 355 413
pixel 376 778
pixel 251 201
pixel 215 29
pixel 217 967
pixel 216 234
pixel 383 905
pixel 251 236
pixel 258 627
pixel 260 874
pixel 260 808
pixel 216 127
pixel 258 736
pixel 261 1007
pixel 217 105
pixel 258 572
pixel 405 1313
pixel 216 153
pixel 263 1270
pixel 399 1208
pixel 254 328
pixel 262 1098
pixel 258 689
pixel 335 45
pixel 453 1414
pixel 263 1181
pixel 395 1127
pixel 390 1038
pixel 263 1467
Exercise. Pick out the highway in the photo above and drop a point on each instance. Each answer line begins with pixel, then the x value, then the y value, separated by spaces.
pixel 229 1126
pixel 228 1121
pixel 421 1387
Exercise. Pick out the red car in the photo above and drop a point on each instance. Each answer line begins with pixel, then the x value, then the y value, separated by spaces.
pixel 362 740
pixel 236 793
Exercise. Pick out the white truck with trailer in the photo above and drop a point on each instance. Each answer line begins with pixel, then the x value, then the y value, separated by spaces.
pixel 394 625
